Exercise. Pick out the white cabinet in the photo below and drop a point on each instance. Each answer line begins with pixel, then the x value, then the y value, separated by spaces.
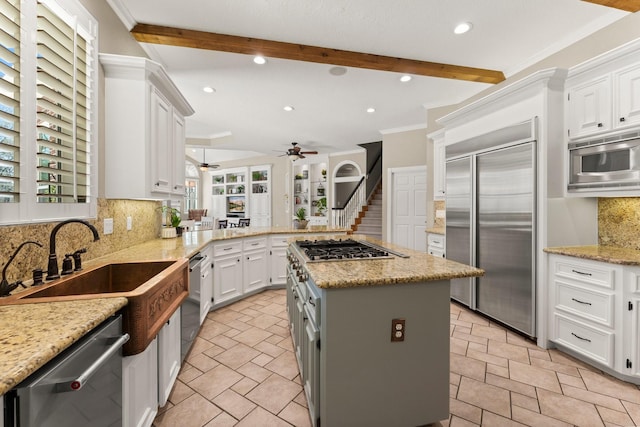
pixel 603 94
pixel 227 271
pixel 310 189
pixel 278 254
pixel 436 244
pixel 260 196
pixel 168 357
pixel 206 282
pixel 439 165
pixel 631 360
pixel 140 387
pixel 144 132
pixel 255 265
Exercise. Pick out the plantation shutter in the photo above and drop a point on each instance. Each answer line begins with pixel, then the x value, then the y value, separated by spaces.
pixel 63 148
pixel 9 101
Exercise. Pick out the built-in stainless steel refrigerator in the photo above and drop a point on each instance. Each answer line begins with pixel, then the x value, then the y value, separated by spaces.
pixel 490 205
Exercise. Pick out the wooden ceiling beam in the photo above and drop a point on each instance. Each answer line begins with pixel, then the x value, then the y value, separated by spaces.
pixel 628 5
pixel 146 33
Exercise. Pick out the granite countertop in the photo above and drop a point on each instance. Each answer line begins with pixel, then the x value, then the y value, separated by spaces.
pixel 417 268
pixel 33 334
pixel 610 254
pixel 437 230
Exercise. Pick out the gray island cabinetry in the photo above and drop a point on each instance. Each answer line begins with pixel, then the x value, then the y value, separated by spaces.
pixel 359 368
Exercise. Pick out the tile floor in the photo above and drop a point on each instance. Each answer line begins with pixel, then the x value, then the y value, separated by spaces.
pixel 242 372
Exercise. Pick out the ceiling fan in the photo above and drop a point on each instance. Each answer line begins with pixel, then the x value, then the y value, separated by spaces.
pixel 295 152
pixel 204 166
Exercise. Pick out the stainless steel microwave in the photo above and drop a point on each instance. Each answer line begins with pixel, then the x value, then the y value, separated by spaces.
pixel 605 165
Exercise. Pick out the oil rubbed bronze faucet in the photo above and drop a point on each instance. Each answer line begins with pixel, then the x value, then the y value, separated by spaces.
pixel 5 286
pixel 52 269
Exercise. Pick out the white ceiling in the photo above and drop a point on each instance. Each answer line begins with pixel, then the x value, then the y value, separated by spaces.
pixel 246 110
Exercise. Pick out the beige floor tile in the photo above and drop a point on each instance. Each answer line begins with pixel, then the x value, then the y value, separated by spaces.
pixel 301 399
pixel 255 372
pixel 500 371
pixel 284 365
pixel 200 345
pixel 489 358
pixel 214 351
pixel 188 373
pixel 539 354
pixel 195 411
pixel 610 386
pixel 244 386
pixel 296 415
pixel 468 337
pixel 454 378
pixel 222 420
pixel 453 391
pixel 633 410
pixel 533 418
pixel 534 376
pixel 471 317
pixel 233 403
pixel 563 358
pixel 279 330
pixel 212 328
pixel 571 380
pixel 554 366
pixel 458 346
pixel 465 410
pixel 593 397
pixel 609 416
pixel 479 347
pixel 224 342
pixel 251 313
pixel 497 334
pixel 286 344
pixel 491 419
pixel 237 356
pixel 262 418
pixel 275 339
pixel 263 321
pixel 274 393
pixel 231 333
pixel 511 385
pixel 485 396
pixel 509 351
pixel 270 349
pixel 461 330
pixel 462 323
pixel 273 309
pixel 252 336
pixel 568 409
pixel 180 392
pixel 461 422
pixel 262 359
pixel 202 362
pixel 467 367
pixel 214 382
pixel 526 402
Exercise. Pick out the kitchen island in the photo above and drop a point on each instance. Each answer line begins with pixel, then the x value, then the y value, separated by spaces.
pixel 372 336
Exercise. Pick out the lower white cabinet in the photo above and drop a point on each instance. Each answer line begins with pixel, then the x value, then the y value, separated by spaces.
pixel 168 357
pixel 255 265
pixel 632 302
pixel 206 283
pixel 279 244
pixel 140 387
pixel 436 245
pixel 227 271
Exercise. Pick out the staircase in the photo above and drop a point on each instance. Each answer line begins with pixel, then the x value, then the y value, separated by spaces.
pixel 369 221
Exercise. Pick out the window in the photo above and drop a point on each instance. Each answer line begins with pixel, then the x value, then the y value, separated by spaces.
pixel 54 105
pixel 191 187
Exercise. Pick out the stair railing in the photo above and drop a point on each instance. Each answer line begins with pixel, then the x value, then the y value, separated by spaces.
pixel 345 216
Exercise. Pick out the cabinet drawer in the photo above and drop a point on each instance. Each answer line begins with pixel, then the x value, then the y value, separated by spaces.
pixel 594 343
pixel 590 304
pixel 588 273
pixel 281 241
pixel 435 241
pixel 436 252
pixel 250 244
pixel 227 248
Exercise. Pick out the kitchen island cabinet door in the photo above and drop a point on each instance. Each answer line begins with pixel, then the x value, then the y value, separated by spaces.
pixel 632 302
pixel 206 283
pixel 227 278
pixel 140 387
pixel 311 367
pixel 256 270
pixel 168 357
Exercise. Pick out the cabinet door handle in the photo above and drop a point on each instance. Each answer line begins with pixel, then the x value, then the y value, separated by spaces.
pixel 600 125
pixel 311 302
pixel 581 302
pixel 581 272
pixel 622 119
pixel 580 338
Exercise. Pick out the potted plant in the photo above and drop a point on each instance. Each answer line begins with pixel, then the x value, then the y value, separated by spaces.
pixel 301 219
pixel 322 205
pixel 172 220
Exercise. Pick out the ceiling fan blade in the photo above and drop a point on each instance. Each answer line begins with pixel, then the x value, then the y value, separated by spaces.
pixel 300 156
pixel 308 152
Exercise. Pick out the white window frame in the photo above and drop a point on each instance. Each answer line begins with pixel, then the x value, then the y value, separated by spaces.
pixel 27 210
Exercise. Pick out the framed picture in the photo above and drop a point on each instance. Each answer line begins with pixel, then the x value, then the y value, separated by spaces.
pixel 235 204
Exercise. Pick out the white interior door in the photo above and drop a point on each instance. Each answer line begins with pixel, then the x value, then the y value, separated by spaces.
pixel 408 207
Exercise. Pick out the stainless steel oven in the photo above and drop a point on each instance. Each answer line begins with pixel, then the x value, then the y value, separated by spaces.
pixel 80 387
pixel 605 164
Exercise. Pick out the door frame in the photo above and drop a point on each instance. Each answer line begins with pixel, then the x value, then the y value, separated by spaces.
pixel 389 199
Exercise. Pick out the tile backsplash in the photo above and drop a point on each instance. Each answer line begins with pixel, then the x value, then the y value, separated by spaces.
pixel 619 222
pixel 438 205
pixel 71 237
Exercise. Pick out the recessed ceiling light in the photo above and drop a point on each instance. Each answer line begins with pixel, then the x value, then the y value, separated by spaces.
pixel 405 78
pixel 208 89
pixel 260 60
pixel 288 108
pixel 371 110
pixel 462 27
pixel 337 71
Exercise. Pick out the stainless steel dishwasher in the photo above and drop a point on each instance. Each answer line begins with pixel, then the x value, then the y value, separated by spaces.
pixel 80 387
pixel 190 309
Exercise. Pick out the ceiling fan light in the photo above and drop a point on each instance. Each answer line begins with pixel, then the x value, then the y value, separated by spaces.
pixel 204 167
pixel 294 157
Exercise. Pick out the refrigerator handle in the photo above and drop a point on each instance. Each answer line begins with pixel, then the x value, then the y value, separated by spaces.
pixel 473 226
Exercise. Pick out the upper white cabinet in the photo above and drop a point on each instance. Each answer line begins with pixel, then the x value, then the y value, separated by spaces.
pixel 260 196
pixel 242 193
pixel 439 165
pixel 603 94
pixel 145 130
pixel 310 189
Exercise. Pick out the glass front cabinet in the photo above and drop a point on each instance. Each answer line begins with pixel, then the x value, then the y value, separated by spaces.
pixel 242 193
pixel 310 189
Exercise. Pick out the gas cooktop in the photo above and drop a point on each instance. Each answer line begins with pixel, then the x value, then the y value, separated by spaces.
pixel 343 250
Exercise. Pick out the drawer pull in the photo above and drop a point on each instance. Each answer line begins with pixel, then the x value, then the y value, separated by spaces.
pixel 580 302
pixel 437 241
pixel 255 244
pixel 581 272
pixel 311 302
pixel 580 338
pixel 227 249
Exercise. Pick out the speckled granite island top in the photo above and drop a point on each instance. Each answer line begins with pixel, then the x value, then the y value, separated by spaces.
pixel 417 268
pixel 610 254
pixel 33 334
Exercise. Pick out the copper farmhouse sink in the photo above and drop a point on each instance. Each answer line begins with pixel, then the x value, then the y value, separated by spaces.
pixel 154 290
